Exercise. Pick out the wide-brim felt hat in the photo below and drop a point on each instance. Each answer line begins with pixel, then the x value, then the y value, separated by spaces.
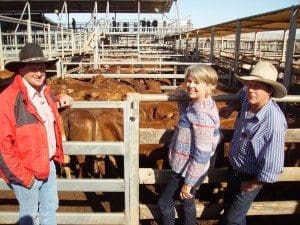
pixel 30 53
pixel 267 73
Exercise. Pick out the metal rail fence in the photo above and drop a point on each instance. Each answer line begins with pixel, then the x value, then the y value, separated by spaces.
pixel 128 148
pixel 133 176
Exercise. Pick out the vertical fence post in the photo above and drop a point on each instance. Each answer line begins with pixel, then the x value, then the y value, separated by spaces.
pixel 1 51
pixel 62 42
pixel 290 47
pixel 212 45
pixel 131 160
pixel 49 41
pixel 73 42
pixel 29 35
pixel 59 68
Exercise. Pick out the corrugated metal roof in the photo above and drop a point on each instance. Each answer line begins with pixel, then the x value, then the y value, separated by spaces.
pixel 81 6
pixel 270 21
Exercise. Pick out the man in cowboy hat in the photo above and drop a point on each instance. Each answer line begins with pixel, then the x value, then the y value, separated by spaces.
pixel 257 147
pixel 30 138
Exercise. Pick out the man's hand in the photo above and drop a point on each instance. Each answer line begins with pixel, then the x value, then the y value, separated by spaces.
pixel 185 192
pixel 31 182
pixel 64 100
pixel 250 185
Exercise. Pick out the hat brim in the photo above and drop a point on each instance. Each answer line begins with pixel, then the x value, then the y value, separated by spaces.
pixel 279 90
pixel 14 66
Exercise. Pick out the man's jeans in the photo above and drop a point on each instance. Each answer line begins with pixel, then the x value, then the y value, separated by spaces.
pixel 39 203
pixel 238 203
pixel 166 202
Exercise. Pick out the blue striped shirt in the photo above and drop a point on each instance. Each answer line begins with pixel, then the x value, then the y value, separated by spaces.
pixel 257 145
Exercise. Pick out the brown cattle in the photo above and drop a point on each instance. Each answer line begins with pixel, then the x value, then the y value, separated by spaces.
pixel 107 124
pixel 5 79
pixel 92 125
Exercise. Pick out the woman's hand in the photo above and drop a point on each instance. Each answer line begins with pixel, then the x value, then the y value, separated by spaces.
pixel 185 192
pixel 250 185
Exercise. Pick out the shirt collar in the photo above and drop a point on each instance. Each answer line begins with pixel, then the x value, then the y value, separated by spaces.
pixel 31 91
pixel 261 113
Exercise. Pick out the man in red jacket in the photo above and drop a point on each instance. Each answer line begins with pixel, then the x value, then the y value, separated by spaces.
pixel 30 138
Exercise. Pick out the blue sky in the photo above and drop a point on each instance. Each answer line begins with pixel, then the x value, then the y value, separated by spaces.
pixel 209 12
pixel 206 12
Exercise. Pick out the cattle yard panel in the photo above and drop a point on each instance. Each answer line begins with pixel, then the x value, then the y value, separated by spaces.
pixel 128 148
pixel 133 136
pixel 213 210
pixel 154 72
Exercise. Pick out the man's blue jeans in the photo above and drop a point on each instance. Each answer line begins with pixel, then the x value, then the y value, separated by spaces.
pixel 166 202
pixel 39 203
pixel 238 203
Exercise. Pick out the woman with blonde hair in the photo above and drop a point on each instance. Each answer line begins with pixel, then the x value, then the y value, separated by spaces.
pixel 193 143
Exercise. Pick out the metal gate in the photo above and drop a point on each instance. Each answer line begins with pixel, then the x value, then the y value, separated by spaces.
pixel 128 148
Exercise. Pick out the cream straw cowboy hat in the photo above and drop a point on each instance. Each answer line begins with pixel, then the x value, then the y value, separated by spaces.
pixel 30 53
pixel 267 73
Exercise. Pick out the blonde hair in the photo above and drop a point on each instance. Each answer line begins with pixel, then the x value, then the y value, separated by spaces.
pixel 205 74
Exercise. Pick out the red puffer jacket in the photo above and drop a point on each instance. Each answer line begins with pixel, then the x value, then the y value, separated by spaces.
pixel 23 140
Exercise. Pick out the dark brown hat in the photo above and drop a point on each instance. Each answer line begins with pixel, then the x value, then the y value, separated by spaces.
pixel 30 53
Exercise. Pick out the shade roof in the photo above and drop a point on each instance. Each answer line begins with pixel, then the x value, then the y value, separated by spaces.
pixel 270 21
pixel 87 6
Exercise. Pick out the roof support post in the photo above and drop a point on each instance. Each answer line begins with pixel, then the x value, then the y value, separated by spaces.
pixel 96 48
pixel 15 41
pixel 255 44
pixel 283 56
pixel 22 14
pixel 139 27
pixel 56 41
pixel 178 20
pixel 72 42
pixel 95 13
pixel 179 47
pixel 96 32
pixel 45 37
pixel 49 41
pixel 79 35
pixel 29 35
pixel 222 44
pixel 197 41
pixel 1 51
pixel 236 51
pixel 186 42
pixel 62 42
pixel 197 48
pixel 212 43
pixel 106 16
pixel 290 47
pixel 64 9
pixel 66 12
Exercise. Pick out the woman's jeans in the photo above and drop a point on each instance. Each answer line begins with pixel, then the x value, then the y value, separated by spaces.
pixel 166 202
pixel 238 203
pixel 39 203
